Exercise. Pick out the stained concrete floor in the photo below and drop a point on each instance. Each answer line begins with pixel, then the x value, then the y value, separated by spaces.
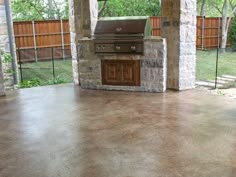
pixel 64 131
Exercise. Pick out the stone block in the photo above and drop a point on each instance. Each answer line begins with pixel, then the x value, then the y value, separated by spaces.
pixel 86 49
pixel 152 63
pixel 2 88
pixel 75 71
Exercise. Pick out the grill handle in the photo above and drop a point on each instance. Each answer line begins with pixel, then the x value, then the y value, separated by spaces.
pixel 117 47
pixel 133 48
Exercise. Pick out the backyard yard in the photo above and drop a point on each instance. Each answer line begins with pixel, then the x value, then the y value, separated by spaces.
pixel 41 73
pixel 206 64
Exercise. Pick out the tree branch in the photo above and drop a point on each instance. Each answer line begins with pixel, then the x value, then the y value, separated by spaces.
pixel 102 8
pixel 217 8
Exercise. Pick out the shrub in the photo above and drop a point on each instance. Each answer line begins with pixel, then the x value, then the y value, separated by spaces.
pixel 30 83
pixel 232 34
pixel 6 57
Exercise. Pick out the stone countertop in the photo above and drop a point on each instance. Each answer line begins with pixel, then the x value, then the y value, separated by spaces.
pixel 156 38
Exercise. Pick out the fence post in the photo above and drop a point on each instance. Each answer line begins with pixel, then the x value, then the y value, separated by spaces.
pixel 53 66
pixel 21 73
pixel 217 55
pixel 217 62
pixel 35 44
pixel 219 29
pixel 62 39
pixel 203 31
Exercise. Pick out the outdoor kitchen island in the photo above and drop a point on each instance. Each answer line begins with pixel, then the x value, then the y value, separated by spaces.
pixel 123 56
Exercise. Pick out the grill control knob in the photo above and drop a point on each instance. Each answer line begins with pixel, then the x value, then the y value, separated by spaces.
pixel 117 47
pixel 119 29
pixel 133 48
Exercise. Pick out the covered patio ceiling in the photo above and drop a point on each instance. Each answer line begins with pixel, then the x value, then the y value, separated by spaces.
pixel 70 132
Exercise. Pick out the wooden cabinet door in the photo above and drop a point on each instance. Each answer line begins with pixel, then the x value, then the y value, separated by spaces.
pixel 121 72
pixel 110 72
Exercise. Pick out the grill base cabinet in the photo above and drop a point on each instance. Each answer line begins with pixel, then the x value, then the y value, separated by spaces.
pixel 121 72
pixel 127 72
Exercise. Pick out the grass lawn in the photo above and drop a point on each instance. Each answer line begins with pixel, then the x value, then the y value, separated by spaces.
pixel 41 73
pixel 206 64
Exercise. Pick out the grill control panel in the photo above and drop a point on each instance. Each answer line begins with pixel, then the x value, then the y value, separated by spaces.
pixel 127 48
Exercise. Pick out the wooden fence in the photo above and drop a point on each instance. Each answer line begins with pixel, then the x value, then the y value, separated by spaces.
pixel 39 40
pixel 209 33
pixel 33 37
pixel 156 26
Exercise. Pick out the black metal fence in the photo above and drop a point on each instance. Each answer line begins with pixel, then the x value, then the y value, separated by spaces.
pixel 44 66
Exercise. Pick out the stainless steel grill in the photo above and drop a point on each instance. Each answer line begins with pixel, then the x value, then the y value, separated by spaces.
pixel 121 34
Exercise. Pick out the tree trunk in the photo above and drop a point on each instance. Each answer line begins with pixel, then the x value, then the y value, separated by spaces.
pixel 225 25
pixel 50 7
pixel 203 9
pixel 102 8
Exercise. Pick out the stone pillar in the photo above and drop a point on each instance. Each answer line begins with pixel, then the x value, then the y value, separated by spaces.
pixel 83 19
pixel 3 37
pixel 179 28
pixel 5 46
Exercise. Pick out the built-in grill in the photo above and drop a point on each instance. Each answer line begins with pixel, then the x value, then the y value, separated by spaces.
pixel 121 34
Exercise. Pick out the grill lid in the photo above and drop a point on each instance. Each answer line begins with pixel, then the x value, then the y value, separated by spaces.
pixel 139 25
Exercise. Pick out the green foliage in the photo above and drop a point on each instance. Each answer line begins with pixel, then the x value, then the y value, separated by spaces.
pixel 213 8
pixel 57 80
pixel 39 10
pixel 40 73
pixel 30 83
pixel 6 57
pixel 37 82
pixel 232 34
pixel 131 8
pixel 55 9
pixel 220 92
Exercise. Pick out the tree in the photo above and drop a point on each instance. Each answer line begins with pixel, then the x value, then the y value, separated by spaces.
pixel 39 9
pixel 130 8
pixel 202 4
pixel 227 8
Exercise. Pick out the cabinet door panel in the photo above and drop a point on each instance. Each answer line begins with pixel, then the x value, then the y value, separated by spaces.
pixel 128 73
pixel 111 73
pixel 121 72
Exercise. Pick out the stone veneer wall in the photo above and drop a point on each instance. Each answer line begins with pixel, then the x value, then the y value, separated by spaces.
pixel 2 38
pixel 153 66
pixel 83 19
pixel 179 28
pixel 5 46
pixel 2 89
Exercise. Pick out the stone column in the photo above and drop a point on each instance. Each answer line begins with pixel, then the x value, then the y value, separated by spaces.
pixel 83 19
pixel 3 37
pixel 179 28
pixel 5 45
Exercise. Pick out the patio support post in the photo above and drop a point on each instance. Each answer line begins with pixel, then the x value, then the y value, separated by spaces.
pixel 7 45
pixel 179 28
pixel 83 18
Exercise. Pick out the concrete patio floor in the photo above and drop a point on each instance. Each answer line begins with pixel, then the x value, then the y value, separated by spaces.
pixel 64 131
